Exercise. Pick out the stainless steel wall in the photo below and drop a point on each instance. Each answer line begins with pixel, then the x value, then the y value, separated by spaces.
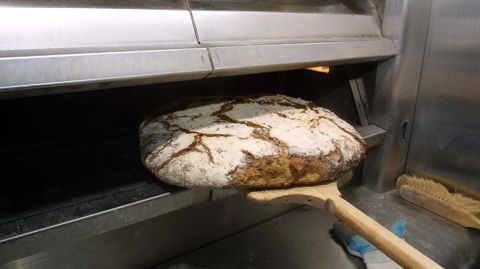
pixel 445 141
pixel 393 101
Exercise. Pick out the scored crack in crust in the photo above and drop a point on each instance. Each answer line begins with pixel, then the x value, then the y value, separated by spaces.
pixel 268 141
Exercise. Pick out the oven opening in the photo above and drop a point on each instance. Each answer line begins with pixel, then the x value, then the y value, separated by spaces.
pixel 69 156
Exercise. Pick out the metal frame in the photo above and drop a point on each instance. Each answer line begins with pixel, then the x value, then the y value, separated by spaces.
pixel 25 244
pixel 393 104
pixel 358 92
pixel 235 60
pixel 166 43
pixel 20 76
pixel 224 28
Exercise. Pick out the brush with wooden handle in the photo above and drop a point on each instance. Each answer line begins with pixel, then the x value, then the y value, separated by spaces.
pixel 267 142
pixel 436 198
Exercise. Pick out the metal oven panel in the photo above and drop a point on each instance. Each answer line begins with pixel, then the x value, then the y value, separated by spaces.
pixel 246 22
pixel 86 45
pixel 263 36
pixel 220 28
pixel 59 45
pixel 20 76
pixel 445 142
pixel 35 30
pixel 261 58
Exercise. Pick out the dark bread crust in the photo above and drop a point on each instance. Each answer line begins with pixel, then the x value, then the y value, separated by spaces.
pixel 291 170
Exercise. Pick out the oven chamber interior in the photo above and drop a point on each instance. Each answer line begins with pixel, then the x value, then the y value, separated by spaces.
pixel 69 157
pixel 74 192
pixel 66 149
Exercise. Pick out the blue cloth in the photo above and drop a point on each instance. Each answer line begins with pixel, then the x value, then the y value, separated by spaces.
pixel 358 246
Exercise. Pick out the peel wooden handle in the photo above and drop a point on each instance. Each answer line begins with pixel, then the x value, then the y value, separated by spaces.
pixel 328 196
pixel 394 247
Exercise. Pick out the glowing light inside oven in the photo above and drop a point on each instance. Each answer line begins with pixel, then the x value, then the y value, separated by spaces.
pixel 321 69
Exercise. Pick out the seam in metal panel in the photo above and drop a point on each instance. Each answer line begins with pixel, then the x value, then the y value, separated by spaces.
pixel 212 68
pixel 209 53
pixel 419 83
pixel 187 4
pixel 372 7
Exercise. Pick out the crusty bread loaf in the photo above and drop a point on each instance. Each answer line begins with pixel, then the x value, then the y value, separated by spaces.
pixel 267 141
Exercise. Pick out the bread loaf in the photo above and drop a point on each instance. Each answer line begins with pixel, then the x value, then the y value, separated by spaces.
pixel 269 141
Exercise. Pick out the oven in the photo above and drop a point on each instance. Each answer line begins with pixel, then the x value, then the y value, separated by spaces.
pixel 78 77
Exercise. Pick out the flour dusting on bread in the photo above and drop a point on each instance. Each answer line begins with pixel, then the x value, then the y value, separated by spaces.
pixel 269 141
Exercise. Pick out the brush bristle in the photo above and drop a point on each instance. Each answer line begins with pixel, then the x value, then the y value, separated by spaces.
pixel 440 192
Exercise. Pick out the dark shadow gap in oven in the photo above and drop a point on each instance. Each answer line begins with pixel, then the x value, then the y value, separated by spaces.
pixel 77 154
